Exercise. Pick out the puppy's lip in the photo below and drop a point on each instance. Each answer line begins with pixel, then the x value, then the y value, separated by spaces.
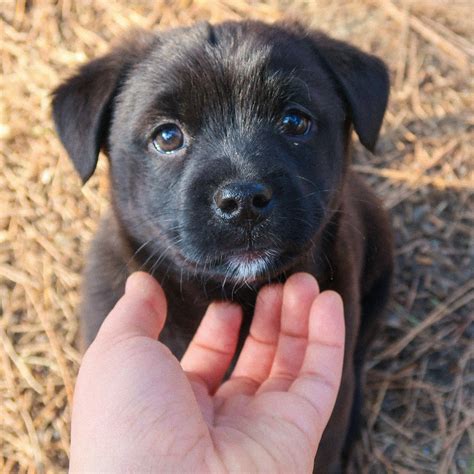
pixel 246 256
pixel 254 265
pixel 250 265
pixel 244 265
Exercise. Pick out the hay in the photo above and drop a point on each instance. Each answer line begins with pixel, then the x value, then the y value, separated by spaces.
pixel 419 415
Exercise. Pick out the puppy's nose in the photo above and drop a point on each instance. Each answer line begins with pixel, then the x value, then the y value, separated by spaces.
pixel 243 202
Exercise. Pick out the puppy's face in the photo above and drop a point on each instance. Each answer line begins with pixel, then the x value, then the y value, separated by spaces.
pixel 227 144
pixel 225 151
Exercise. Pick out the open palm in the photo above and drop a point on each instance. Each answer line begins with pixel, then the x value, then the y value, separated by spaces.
pixel 138 409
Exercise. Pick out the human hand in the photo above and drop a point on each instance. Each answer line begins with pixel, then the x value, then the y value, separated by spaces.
pixel 136 409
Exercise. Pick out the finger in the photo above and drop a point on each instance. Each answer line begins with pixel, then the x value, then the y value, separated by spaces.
pixel 299 293
pixel 257 355
pixel 213 346
pixel 141 311
pixel 320 375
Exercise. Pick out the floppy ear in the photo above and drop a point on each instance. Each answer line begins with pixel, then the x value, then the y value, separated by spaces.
pixel 82 105
pixel 363 80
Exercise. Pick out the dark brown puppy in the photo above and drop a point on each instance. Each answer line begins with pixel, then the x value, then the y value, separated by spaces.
pixel 229 150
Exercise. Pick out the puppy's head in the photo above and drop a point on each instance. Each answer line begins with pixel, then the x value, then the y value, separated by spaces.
pixel 227 144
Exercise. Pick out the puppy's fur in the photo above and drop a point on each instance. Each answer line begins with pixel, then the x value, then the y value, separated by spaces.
pixel 228 87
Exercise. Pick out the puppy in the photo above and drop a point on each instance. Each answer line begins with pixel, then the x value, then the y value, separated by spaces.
pixel 229 149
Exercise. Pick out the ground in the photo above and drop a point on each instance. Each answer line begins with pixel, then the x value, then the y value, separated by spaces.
pixel 419 413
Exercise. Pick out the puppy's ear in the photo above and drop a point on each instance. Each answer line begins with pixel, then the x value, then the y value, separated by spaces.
pixel 82 105
pixel 363 80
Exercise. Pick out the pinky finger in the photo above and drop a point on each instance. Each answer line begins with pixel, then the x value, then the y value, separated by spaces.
pixel 320 374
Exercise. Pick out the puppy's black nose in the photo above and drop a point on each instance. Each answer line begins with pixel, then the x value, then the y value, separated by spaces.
pixel 243 202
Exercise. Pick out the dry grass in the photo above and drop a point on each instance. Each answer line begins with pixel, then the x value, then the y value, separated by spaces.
pixel 420 386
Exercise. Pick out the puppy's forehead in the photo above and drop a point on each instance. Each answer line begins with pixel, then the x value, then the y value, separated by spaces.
pixel 206 72
pixel 234 72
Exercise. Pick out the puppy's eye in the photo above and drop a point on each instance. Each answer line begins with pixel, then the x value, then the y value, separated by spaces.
pixel 295 122
pixel 168 138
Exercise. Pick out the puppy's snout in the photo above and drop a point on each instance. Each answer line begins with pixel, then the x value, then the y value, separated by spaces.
pixel 243 202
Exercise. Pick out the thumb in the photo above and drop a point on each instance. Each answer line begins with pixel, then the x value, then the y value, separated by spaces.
pixel 141 311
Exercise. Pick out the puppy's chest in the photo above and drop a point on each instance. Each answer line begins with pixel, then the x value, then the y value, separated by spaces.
pixel 185 312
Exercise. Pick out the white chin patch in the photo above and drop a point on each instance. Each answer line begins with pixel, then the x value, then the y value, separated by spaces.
pixel 246 268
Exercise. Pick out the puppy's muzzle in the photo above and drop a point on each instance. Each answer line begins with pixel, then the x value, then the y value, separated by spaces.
pixel 243 203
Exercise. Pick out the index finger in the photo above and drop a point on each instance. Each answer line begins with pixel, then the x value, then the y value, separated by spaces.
pixel 211 350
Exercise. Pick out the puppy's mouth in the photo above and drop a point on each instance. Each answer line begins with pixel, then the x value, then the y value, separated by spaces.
pixel 245 266
pixel 250 265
